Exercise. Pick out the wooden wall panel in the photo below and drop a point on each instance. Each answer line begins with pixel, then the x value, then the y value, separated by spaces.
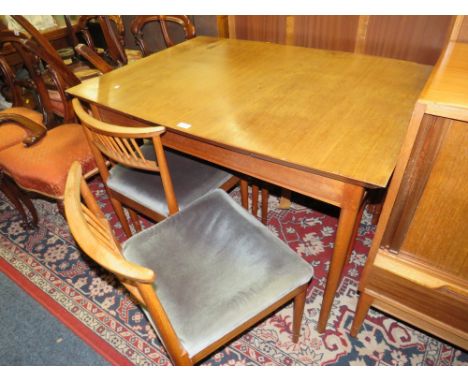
pixel 261 28
pixel 413 38
pixel 460 29
pixel 326 32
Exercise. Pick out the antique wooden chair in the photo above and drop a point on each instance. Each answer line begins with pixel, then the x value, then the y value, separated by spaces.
pixel 79 69
pixel 46 70
pixel 203 276
pixel 140 22
pixel 42 167
pixel 113 33
pixel 140 179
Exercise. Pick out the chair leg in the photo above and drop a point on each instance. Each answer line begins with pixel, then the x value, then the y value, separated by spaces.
pixel 299 304
pixel 244 189
pixel 285 200
pixel 29 204
pixel 265 195
pixel 120 215
pixel 362 308
pixel 254 199
pixel 17 197
pixel 61 207
pixel 135 220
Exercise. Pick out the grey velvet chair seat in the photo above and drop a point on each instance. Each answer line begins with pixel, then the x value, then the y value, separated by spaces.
pixel 216 267
pixel 191 179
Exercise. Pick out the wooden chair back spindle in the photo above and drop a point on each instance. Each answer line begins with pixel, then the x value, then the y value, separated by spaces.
pixel 119 144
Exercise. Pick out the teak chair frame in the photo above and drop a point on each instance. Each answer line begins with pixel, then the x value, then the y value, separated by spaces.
pixel 117 144
pixel 94 235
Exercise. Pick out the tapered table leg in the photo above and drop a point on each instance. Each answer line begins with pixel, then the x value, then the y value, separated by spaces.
pixel 350 213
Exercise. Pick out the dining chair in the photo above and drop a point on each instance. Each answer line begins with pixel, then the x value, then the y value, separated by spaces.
pixel 112 30
pixel 43 65
pixel 202 276
pixel 140 22
pixel 78 68
pixel 42 167
pixel 147 178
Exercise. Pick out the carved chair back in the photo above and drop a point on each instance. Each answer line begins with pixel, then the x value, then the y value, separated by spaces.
pixel 140 22
pixel 113 32
pixel 42 64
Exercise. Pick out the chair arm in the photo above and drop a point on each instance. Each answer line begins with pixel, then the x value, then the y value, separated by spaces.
pixel 34 130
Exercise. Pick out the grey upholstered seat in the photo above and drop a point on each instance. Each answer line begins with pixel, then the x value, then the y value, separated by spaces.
pixel 191 179
pixel 216 266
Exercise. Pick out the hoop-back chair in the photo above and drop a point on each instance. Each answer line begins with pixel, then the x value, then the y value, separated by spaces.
pixel 140 178
pixel 140 22
pixel 203 276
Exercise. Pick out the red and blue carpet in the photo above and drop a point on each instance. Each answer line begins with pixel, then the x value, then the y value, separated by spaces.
pixel 47 264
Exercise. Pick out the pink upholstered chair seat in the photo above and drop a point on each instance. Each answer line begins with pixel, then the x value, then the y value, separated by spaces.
pixel 43 167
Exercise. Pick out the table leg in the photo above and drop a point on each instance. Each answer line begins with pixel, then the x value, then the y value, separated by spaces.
pixel 285 200
pixel 350 213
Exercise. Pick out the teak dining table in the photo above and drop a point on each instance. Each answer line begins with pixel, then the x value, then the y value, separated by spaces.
pixel 325 124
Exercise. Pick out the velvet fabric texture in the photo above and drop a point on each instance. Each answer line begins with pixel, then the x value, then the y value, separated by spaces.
pixel 11 133
pixel 44 166
pixel 216 267
pixel 191 179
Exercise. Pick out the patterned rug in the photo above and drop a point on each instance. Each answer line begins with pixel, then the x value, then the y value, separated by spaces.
pixel 48 260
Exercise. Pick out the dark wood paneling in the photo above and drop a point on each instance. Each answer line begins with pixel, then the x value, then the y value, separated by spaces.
pixel 326 32
pixel 261 28
pixel 413 38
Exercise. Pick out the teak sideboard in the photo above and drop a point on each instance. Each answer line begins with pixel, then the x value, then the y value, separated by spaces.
pixel 418 264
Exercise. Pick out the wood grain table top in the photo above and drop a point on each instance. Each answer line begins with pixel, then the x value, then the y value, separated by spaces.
pixel 339 114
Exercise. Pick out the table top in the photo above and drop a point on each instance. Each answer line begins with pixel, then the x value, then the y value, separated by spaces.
pixel 339 114
pixel 448 85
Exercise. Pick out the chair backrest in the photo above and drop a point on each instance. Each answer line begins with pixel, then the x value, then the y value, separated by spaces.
pixel 42 63
pixel 118 143
pixel 9 79
pixel 94 235
pixel 113 32
pixel 140 22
